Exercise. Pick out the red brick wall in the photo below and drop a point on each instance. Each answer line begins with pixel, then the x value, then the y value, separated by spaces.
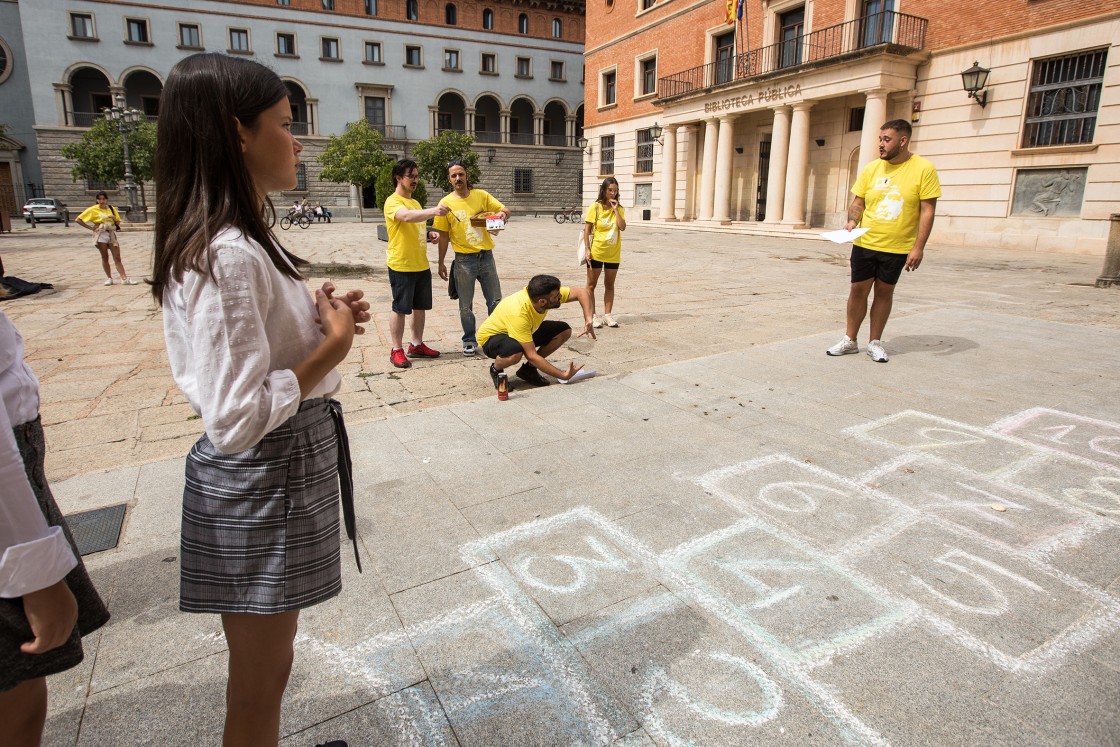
pixel 681 40
pixel 432 14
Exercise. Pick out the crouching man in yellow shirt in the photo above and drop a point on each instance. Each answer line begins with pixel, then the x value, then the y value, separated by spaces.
pixel 517 329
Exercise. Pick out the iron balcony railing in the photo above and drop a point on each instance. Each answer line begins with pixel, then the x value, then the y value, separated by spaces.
pixel 886 31
pixel 392 132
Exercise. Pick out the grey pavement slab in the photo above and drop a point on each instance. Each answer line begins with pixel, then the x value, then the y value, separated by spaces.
pixel 725 538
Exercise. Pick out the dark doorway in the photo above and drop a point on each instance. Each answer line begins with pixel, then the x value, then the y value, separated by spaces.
pixel 763 174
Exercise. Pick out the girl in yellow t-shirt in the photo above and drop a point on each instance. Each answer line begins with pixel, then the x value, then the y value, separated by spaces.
pixel 104 220
pixel 603 224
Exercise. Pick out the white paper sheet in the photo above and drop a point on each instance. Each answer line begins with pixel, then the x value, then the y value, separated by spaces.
pixel 580 375
pixel 844 237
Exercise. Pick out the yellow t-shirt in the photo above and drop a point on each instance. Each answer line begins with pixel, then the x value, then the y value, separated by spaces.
pixel 96 215
pixel 606 240
pixel 516 317
pixel 407 250
pixel 465 238
pixel 892 195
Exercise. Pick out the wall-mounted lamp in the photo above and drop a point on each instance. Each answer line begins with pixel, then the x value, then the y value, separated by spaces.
pixel 559 157
pixel 739 151
pixel 490 153
pixel 656 131
pixel 975 81
pixel 581 143
pixel 820 142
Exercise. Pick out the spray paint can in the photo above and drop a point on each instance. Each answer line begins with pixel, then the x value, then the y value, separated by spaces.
pixel 503 386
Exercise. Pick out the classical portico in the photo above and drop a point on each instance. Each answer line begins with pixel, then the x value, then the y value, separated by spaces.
pixel 780 148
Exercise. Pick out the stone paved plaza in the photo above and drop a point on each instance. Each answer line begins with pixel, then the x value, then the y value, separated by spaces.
pixel 726 538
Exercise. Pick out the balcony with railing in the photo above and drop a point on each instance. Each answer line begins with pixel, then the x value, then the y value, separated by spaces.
pixel 392 132
pixel 896 33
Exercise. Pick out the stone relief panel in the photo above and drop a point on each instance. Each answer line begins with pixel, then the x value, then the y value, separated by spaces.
pixel 1042 193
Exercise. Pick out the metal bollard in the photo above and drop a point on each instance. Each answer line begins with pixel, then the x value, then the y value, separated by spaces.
pixel 1110 276
pixel 31 215
pixel 66 217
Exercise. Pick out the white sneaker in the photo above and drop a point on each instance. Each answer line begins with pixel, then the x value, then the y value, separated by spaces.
pixel 847 346
pixel 876 352
pixel 108 282
pixel 609 320
pixel 596 322
pixel 469 348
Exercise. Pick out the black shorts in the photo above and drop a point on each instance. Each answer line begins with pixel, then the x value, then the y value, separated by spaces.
pixel 868 263
pixel 411 290
pixel 500 346
pixel 596 264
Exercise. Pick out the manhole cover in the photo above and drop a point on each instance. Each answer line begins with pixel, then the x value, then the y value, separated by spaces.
pixel 97 530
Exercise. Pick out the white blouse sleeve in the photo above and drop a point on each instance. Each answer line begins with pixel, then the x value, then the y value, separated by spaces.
pixel 240 399
pixel 33 555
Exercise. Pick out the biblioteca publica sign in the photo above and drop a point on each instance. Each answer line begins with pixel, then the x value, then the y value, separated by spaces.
pixel 763 96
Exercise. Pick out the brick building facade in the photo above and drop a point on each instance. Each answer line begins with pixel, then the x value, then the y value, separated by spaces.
pixel 508 72
pixel 765 122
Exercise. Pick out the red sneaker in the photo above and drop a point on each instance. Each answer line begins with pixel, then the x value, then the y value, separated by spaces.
pixel 398 359
pixel 421 351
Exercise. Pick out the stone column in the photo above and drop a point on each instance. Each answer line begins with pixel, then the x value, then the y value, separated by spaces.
pixel 504 116
pixel 313 116
pixel 708 170
pixel 793 214
pixel 538 128
pixel 723 170
pixel 468 125
pixel 433 121
pixel 570 130
pixel 776 176
pixel 689 155
pixel 65 104
pixel 669 173
pixel 874 115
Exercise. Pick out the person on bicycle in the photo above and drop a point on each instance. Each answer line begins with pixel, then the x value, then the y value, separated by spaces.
pixel 473 246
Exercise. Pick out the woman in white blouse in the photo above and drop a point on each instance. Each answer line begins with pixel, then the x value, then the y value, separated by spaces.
pixel 46 599
pixel 255 357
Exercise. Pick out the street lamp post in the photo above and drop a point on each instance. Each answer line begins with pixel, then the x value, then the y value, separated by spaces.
pixel 126 119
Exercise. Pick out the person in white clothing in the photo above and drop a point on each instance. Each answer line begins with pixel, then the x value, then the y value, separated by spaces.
pixel 47 602
pixel 255 357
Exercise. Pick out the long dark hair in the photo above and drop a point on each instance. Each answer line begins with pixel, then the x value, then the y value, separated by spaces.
pixel 202 183
pixel 602 198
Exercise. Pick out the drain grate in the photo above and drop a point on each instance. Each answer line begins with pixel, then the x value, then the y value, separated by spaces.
pixel 97 530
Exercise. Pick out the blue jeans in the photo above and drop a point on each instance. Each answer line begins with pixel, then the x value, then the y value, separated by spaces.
pixel 468 269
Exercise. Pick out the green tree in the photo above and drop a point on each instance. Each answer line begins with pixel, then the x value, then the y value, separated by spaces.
pixel 354 157
pixel 433 155
pixel 99 155
pixel 385 186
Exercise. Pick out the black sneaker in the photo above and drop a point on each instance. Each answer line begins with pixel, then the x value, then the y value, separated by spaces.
pixel 494 375
pixel 530 375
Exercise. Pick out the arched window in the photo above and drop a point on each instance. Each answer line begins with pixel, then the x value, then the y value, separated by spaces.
pixel 412 10
pixel 523 24
pixel 450 15
pixel 488 19
pixel 557 28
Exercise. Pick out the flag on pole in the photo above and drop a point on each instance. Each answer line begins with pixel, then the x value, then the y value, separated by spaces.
pixel 739 9
pixel 730 12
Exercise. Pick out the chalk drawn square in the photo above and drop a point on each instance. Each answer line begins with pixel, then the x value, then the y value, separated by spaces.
pixel 503 677
pixel 933 488
pixel 689 680
pixel 1092 440
pixel 782 593
pixel 1001 605
pixel 571 564
pixel 980 450
pixel 1090 488
pixel 805 500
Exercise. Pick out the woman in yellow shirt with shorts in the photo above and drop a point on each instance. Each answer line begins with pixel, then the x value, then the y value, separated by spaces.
pixel 603 224
pixel 104 220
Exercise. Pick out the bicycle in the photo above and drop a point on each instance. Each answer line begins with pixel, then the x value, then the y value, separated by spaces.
pixel 298 219
pixel 567 215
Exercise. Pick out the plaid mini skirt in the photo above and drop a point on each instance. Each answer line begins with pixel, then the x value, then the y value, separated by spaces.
pixel 15 666
pixel 260 528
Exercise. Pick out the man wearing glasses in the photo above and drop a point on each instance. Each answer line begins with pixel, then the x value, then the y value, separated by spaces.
pixel 410 274
pixel 473 246
pixel 517 329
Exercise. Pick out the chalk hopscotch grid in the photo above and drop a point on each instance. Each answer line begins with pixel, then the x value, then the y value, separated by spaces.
pixel 515 607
